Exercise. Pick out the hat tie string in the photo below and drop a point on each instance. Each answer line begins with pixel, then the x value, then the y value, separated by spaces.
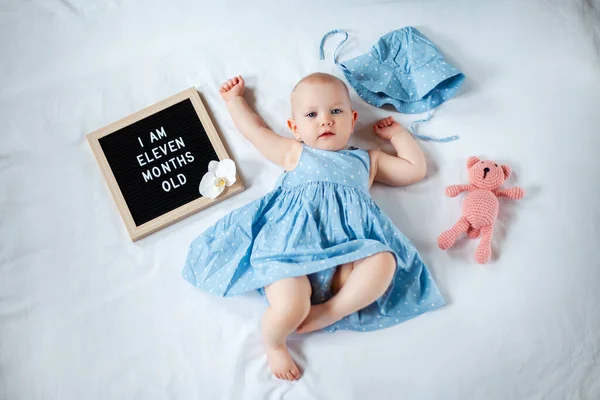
pixel 333 32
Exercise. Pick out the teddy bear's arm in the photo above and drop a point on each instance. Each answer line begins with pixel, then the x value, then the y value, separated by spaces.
pixel 515 193
pixel 455 190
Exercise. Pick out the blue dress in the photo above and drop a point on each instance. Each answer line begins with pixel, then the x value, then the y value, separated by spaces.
pixel 318 216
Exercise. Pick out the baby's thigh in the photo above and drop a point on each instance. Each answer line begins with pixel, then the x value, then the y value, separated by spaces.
pixel 340 276
pixel 385 261
pixel 382 263
pixel 288 292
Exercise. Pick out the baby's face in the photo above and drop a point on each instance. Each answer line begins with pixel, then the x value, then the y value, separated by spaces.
pixel 322 115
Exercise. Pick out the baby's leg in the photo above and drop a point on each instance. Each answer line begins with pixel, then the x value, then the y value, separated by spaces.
pixel 368 280
pixel 289 301
pixel 341 275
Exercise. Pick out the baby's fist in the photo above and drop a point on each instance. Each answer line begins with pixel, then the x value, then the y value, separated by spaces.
pixel 232 88
pixel 387 127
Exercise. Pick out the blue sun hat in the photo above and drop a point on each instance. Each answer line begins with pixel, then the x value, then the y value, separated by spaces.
pixel 403 69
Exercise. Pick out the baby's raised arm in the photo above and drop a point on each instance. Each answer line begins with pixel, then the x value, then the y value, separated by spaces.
pixel 409 164
pixel 277 149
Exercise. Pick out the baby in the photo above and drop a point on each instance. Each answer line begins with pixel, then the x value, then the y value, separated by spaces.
pixel 317 246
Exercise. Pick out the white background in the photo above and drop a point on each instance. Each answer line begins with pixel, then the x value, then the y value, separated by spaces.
pixel 86 313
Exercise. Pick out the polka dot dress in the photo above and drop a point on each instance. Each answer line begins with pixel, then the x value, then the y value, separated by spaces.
pixel 318 216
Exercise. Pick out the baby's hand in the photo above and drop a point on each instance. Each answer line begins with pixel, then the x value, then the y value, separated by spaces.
pixel 232 88
pixel 387 127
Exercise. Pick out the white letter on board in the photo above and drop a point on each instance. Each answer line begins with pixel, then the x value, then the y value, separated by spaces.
pixel 155 153
pixel 165 167
pixel 161 133
pixel 181 160
pixel 179 142
pixel 147 176
pixel 140 161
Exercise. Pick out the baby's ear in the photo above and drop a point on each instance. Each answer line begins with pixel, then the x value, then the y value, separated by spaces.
pixel 291 123
pixel 506 170
pixel 472 161
pixel 354 117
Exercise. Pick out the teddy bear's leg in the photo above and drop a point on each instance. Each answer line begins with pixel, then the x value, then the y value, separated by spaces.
pixel 447 239
pixel 473 233
pixel 484 250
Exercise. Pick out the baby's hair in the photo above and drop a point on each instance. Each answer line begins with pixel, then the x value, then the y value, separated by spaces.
pixel 321 77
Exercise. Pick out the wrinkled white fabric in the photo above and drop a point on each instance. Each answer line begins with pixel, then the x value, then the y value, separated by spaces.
pixel 86 313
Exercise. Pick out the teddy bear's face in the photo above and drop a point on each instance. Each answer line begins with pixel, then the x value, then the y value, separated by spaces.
pixel 487 174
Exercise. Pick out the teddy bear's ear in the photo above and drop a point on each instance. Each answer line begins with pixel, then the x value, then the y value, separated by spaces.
pixel 472 161
pixel 506 170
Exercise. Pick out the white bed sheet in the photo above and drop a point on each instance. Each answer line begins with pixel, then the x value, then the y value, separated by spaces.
pixel 87 314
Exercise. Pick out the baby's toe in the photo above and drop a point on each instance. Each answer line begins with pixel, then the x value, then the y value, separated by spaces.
pixel 295 372
pixel 289 376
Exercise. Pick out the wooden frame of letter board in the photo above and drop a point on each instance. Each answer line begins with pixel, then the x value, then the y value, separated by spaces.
pixel 138 232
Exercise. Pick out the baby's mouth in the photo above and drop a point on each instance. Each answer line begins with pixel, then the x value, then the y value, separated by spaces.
pixel 326 134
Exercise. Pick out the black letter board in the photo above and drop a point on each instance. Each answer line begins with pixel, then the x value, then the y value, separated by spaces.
pixel 153 162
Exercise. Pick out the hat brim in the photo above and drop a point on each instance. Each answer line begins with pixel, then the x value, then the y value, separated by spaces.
pixel 410 93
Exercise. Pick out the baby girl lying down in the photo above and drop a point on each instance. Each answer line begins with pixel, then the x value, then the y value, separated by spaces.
pixel 317 246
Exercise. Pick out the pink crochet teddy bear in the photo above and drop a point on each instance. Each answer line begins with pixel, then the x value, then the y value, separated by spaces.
pixel 480 207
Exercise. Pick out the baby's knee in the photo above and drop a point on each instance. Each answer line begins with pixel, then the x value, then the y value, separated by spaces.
pixel 291 306
pixel 387 263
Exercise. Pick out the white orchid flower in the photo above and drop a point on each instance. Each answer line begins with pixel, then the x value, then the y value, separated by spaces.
pixel 220 174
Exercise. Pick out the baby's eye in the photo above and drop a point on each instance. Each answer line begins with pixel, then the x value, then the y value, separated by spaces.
pixel 311 114
pixel 336 111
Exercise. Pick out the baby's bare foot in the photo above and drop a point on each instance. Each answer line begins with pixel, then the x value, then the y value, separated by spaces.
pixel 281 363
pixel 320 316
